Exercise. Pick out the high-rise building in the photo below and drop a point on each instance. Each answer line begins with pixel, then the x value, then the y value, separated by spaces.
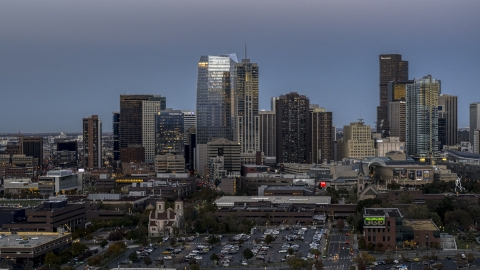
pixel 246 89
pixel 92 142
pixel 215 97
pixel 169 125
pixel 294 130
pixel 322 141
pixel 189 121
pixel 357 142
pixel 150 108
pixel 132 123
pixel 215 103
pixel 392 68
pixel 447 120
pixel 474 119
pixel 116 136
pixel 397 119
pixel 422 116
pixel 33 147
pixel 267 134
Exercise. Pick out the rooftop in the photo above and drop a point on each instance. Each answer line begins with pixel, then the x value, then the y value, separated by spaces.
pixel 387 212
pixel 421 224
pixel 12 240
pixel 228 201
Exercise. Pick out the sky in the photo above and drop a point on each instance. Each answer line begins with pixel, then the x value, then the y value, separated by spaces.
pixel 61 61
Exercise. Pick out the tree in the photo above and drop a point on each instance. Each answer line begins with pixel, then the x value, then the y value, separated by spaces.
pixel 247 254
pixel 147 261
pixel 269 239
pixel 340 225
pixel 297 263
pixel 393 186
pixel 318 264
pixel 103 243
pixel 133 256
pixel 51 259
pixel 172 241
pixel 406 198
pixel 214 257
pixel 290 251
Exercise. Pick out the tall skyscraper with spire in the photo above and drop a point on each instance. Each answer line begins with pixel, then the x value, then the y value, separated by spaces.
pixel 392 68
pixel 246 88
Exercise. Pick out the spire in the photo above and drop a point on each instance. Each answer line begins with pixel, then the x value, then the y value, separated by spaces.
pixel 360 169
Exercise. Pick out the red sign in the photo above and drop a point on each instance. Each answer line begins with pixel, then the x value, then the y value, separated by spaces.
pixel 323 184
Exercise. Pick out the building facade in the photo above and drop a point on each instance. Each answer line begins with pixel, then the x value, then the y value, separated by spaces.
pixel 357 142
pixel 294 130
pixel 116 135
pixel 33 147
pixel 267 134
pixel 474 120
pixel 150 108
pixel 92 142
pixel 169 132
pixel 422 116
pixel 448 118
pixel 229 153
pixel 392 68
pixel 215 97
pixel 246 90
pixel 397 119
pixel 322 141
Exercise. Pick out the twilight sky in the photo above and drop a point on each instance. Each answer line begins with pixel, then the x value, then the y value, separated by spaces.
pixel 61 61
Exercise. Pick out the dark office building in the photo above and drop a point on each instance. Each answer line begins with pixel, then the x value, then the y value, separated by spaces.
pixel 92 142
pixel 116 136
pixel 33 147
pixel 67 146
pixel 294 130
pixel 447 120
pixel 131 121
pixel 169 132
pixel 392 68
pixel 322 140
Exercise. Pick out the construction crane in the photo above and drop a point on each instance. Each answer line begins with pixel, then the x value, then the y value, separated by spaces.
pixel 458 184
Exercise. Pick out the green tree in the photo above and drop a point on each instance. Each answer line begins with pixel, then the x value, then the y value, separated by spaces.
pixel 214 257
pixel 406 198
pixel 297 263
pixel 147 261
pixel 247 254
pixel 51 259
pixel 290 251
pixel 393 186
pixel 269 239
pixel 133 256
pixel 103 243
pixel 318 264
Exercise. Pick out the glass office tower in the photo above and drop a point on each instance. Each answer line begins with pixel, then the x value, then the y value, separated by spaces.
pixel 216 98
pixel 422 116
pixel 169 132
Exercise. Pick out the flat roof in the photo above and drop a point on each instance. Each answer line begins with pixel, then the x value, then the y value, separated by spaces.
pixel 10 240
pixel 387 212
pixel 285 188
pixel 421 224
pixel 226 201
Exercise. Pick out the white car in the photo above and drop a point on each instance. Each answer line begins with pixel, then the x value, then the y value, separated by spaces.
pixel 282 251
pixel 167 257
pixel 198 258
pixel 244 263
pixel 34 238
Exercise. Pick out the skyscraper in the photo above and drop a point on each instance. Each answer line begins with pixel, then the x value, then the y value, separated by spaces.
pixel 396 95
pixel 116 136
pixel 268 134
pixel 322 141
pixel 137 121
pixel 392 68
pixel 447 115
pixel 215 97
pixel 474 119
pixel 294 130
pixel 92 142
pixel 215 102
pixel 33 147
pixel 150 108
pixel 422 116
pixel 246 89
pixel 169 126
pixel 357 142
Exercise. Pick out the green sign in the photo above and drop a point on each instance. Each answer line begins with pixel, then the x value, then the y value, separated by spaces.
pixel 374 221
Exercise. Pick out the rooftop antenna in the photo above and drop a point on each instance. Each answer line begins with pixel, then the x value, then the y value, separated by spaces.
pixel 246 51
